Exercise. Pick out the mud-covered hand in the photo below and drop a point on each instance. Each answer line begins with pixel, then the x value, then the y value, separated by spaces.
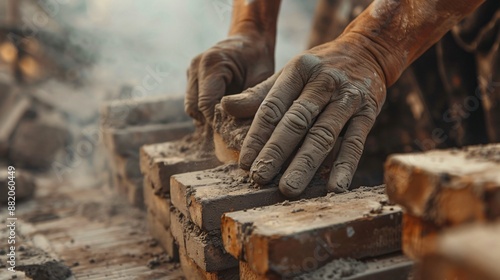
pixel 244 59
pixel 335 86
pixel 317 94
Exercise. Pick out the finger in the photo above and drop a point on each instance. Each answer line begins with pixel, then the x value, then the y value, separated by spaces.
pixel 287 88
pixel 292 128
pixel 350 152
pixel 191 99
pixel 318 143
pixel 245 104
pixel 212 87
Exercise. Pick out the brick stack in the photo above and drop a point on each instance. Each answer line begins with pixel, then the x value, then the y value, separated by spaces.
pixel 158 163
pixel 129 124
pixel 32 138
pixel 208 251
pixel 201 198
pixel 444 190
pixel 317 237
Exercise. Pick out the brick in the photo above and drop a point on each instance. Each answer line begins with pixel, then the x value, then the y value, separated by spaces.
pixel 134 192
pixel 163 236
pixel 467 252
pixel 143 111
pixel 204 196
pixel 447 187
pixel 418 237
pixel 295 237
pixel 160 161
pixel 229 133
pixel 247 273
pixel 127 141
pixel 159 206
pixel 393 266
pixel 193 271
pixel 119 184
pixel 127 167
pixel 12 108
pixel 36 144
pixel 204 248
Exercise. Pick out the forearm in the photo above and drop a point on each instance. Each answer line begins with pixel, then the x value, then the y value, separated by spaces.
pixel 398 32
pixel 259 16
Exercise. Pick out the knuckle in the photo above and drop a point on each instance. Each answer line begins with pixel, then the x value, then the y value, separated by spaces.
pixel 211 58
pixel 270 111
pixel 194 63
pixel 307 61
pixel 355 144
pixel 322 137
pixel 354 95
pixel 327 82
pixel 205 104
pixel 275 151
pixel 296 120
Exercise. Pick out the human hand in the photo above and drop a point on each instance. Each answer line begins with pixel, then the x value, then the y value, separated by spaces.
pixel 335 86
pixel 232 65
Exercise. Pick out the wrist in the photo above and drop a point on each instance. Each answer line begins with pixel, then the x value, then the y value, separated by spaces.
pixel 257 19
pixel 250 29
pixel 389 60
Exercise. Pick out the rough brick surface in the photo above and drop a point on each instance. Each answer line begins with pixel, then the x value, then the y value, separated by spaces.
pixel 204 196
pixel 159 206
pixel 163 236
pixel 418 237
pixel 143 111
pixel 134 191
pixel 127 167
pixel 393 266
pixel 160 161
pixel 193 271
pixel 447 187
pixel 247 273
pixel 127 141
pixel 469 252
pixel 204 248
pixel 294 237
pixel 229 134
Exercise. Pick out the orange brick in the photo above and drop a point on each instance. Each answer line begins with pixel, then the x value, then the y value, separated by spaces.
pixel 193 271
pixel 159 206
pixel 204 248
pixel 203 196
pixel 465 253
pixel 447 187
pixel 127 141
pixel 162 235
pixel 419 237
pixel 160 161
pixel 295 237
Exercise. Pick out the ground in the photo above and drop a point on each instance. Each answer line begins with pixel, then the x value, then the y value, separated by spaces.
pixel 89 229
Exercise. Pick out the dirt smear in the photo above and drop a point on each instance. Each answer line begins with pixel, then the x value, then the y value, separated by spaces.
pixel 52 270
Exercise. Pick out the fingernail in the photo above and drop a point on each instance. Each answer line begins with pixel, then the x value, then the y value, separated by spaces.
pixel 260 171
pixel 340 182
pixel 292 184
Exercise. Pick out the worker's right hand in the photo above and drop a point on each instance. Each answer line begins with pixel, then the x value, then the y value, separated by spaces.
pixel 241 61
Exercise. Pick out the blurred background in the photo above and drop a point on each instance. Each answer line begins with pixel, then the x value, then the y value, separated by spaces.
pixel 68 57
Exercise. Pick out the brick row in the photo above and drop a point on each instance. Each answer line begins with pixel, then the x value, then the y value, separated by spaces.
pixel 295 237
pixel 203 196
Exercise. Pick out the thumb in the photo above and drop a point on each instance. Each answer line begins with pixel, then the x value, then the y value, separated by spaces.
pixel 246 104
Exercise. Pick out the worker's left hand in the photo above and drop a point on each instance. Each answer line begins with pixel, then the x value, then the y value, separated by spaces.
pixel 305 107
